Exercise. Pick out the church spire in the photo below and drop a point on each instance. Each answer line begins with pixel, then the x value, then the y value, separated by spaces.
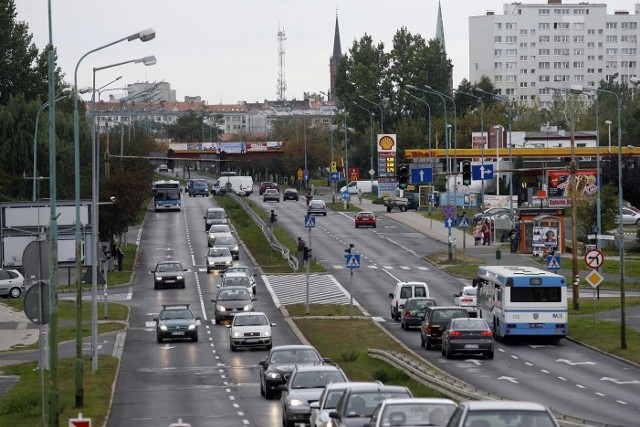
pixel 334 61
pixel 440 29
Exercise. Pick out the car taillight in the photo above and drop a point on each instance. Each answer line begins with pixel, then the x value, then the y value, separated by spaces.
pixel 467 300
pixel 407 314
pixel 486 333
pixel 455 334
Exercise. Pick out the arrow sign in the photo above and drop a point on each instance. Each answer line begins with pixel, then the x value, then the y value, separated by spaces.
pixel 593 258
pixel 568 362
pixel 353 261
pixel 480 172
pixel 510 379
pixel 421 175
pixel 617 381
pixel 335 176
pixel 310 221
pixel 449 223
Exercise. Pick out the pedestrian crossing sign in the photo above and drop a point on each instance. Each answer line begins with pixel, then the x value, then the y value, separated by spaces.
pixel 310 221
pixel 463 222
pixel 553 262
pixel 353 261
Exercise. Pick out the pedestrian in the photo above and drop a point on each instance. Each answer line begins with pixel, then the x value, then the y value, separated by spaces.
pixel 119 256
pixel 300 250
pixel 360 196
pixel 477 234
pixel 514 239
pixel 486 233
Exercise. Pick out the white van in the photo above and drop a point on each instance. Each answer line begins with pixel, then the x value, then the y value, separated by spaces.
pixel 241 185
pixel 365 186
pixel 404 291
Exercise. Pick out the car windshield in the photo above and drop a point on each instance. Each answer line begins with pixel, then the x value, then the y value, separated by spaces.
pixel 295 356
pixel 317 204
pixel 316 379
pixel 215 215
pixel 174 314
pixel 225 240
pixel 362 405
pixel 253 320
pixel 219 252
pixel 234 295
pixel 468 324
pixel 174 266
pixel 236 281
pixel 416 304
pixel 410 414
pixel 219 229
pixel 446 315
pixel 508 418
pixel 240 270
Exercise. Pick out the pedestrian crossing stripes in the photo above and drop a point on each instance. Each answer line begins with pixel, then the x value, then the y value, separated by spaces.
pixel 292 289
pixel 386 267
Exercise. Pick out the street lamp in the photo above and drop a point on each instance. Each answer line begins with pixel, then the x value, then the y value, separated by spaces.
pixel 498 144
pixel 99 90
pixel 144 35
pixel 479 99
pixel 429 119
pixel 346 153
pixel 371 143
pixel 381 115
pixel 95 188
pixel 608 123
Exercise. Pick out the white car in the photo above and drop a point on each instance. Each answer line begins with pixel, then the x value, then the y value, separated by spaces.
pixel 239 278
pixel 467 298
pixel 413 412
pixel 248 271
pixel 629 216
pixel 217 230
pixel 250 330
pixel 329 401
pixel 402 292
pixel 495 412
pixel 11 283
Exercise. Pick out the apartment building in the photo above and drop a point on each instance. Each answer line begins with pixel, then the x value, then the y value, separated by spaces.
pixel 534 48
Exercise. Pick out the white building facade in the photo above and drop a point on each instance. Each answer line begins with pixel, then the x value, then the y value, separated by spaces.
pixel 534 48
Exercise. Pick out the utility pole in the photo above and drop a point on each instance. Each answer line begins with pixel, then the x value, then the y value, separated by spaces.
pixel 574 220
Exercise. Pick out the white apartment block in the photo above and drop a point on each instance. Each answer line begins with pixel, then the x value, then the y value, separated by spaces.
pixel 534 48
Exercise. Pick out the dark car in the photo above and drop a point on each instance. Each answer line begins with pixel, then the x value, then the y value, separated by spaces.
pixel 303 388
pixel 467 336
pixel 435 321
pixel 290 194
pixel 231 300
pixel 168 273
pixel 276 368
pixel 413 311
pixel 227 241
pixel 267 184
pixel 215 216
pixel 176 321
pixel 356 406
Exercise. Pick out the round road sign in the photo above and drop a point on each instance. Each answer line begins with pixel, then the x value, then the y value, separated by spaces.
pixel 593 258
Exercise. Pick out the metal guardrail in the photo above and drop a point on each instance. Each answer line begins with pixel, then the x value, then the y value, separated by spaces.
pixel 267 231
pixel 454 388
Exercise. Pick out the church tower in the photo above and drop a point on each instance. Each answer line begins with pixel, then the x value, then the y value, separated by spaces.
pixel 334 61
pixel 440 38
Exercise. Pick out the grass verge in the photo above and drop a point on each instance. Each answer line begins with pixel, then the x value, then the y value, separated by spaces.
pixel 326 310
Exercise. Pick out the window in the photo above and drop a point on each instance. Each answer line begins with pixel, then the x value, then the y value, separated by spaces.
pixel 560 65
pixel 578 64
pixel 611 51
pixel 511 26
pixel 511 39
pixel 497 26
pixel 591 45
pixel 629 51
pixel 497 65
pixel 561 52
pixel 591 32
pixel 544 39
pixel 600 31
pixel 633 39
pixel 578 39
pixel 591 58
pixel 512 52
pixel 580 11
pixel 510 92
pixel 497 39
pixel 544 11
pixel 611 64
pixel 578 78
pixel 511 78
pixel 578 51
pixel 578 25
pixel 612 25
pixel 523 45
pixel 544 65
pixel 561 39
pixel 560 25
pixel 544 78
pixel 545 104
pixel 633 25
pixel 544 25
pixel 523 84
pixel 510 65
pixel 497 52
pixel 544 52
pixel 612 39
pixel 624 25
pixel 523 32
pixel 624 64
pixel 523 58
pixel 624 39
pixel 544 91
pixel 523 71
pixel 561 11
pixel 497 78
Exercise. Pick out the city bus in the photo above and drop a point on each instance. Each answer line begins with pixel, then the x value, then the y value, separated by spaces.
pixel 167 195
pixel 522 301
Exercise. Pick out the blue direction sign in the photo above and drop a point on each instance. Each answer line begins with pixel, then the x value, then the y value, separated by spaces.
pixel 463 222
pixel 353 261
pixel 449 223
pixel 449 211
pixel 335 176
pixel 310 221
pixel 553 262
pixel 480 172
pixel 344 195
pixel 421 175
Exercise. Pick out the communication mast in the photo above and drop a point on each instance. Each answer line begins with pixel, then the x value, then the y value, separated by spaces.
pixel 282 84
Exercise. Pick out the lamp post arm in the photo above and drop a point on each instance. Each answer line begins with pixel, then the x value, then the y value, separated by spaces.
pixel 381 114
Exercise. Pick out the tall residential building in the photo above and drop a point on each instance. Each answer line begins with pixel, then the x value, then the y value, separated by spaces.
pixel 533 48
pixel 334 61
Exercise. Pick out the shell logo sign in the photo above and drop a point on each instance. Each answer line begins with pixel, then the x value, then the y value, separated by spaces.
pixel 387 143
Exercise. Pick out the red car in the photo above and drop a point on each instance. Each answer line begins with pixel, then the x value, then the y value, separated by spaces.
pixel 366 218
pixel 267 184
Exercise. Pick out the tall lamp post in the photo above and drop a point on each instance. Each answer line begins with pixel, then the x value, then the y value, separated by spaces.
pixel 623 315
pixel 381 114
pixel 479 99
pixel 95 226
pixel 346 149
pixel 429 120
pixel 333 184
pixel 371 143
pixel 99 90
pixel 144 35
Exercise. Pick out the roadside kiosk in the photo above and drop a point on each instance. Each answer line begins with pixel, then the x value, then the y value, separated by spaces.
pixel 542 231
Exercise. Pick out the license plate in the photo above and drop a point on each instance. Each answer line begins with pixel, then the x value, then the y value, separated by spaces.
pixel 250 340
pixel 471 346
pixel 177 333
pixel 169 281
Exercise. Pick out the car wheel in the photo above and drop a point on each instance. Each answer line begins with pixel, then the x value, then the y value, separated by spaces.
pixel 388 208
pixel 374 226
pixel 194 339
pixel 232 347
pixel 403 208
pixel 182 286
pixel 421 340
pixel 448 354
pixel 217 320
pixel 638 221
pixel 489 354
pixel 261 388
pixel 444 353
pixel 155 286
pixel 208 271
pixel 402 326
pixel 158 338
pixel 356 225
pixel 15 292
pixel 268 394
pixel 427 344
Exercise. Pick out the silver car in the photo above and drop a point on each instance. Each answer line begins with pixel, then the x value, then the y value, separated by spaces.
pixel 11 283
pixel 217 230
pixel 317 207
pixel 228 241
pixel 238 278
pixel 230 301
pixel 218 258
pixel 246 270
pixel 250 330
pixel 502 413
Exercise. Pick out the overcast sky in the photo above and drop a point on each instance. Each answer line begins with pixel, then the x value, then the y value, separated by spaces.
pixel 227 51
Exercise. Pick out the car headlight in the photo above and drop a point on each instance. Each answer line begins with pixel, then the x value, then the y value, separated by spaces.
pixel 221 308
pixel 296 402
pixel 236 334
pixel 158 278
pixel 193 327
pixel 228 262
pixel 265 334
pixel 179 277
pixel 248 307
pixel 210 262
pixel 163 327
pixel 274 376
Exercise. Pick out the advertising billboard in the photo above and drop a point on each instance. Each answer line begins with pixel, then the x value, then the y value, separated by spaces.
pixel 558 181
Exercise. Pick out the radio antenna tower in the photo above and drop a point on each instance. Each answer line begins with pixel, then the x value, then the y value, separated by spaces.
pixel 282 84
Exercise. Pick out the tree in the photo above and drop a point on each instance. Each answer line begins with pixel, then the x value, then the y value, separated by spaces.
pixel 587 212
pixel 188 127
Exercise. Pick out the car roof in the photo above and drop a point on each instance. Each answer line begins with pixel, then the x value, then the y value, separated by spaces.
pixel 169 262
pixel 379 387
pixel 316 368
pixel 483 405
pixel 250 313
pixel 214 209
pixel 412 284
pixel 349 384
pixel 176 306
pixel 235 274
pixel 404 400
pixel 289 346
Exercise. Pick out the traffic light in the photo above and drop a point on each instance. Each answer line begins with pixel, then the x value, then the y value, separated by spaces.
pixel 466 172
pixel 273 218
pixel 403 176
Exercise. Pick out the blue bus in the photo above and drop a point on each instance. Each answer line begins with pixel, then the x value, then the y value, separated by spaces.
pixel 522 301
pixel 167 195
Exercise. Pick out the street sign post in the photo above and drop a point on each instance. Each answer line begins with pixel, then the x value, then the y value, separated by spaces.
pixel 553 262
pixel 335 176
pixel 594 258
pixel 480 172
pixel 310 221
pixel 353 260
pixel 421 175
